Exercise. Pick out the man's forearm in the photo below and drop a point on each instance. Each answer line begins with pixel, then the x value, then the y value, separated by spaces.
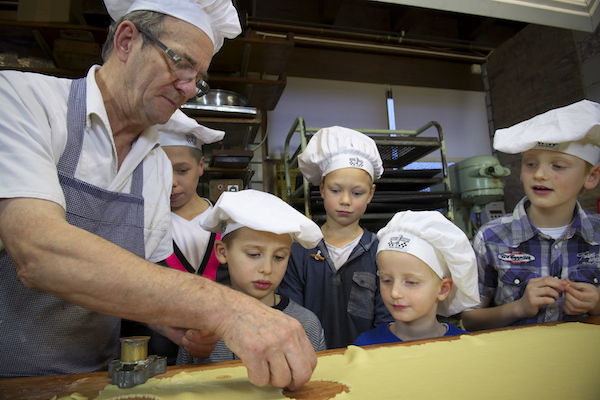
pixel 86 270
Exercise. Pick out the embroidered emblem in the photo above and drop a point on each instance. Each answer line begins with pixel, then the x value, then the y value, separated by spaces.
pixel 318 256
pixel 191 139
pixel 356 162
pixel 589 257
pixel 547 145
pixel 516 257
pixel 398 242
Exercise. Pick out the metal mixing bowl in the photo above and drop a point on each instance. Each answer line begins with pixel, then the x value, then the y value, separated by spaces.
pixel 220 97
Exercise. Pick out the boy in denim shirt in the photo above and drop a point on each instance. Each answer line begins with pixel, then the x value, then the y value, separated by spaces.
pixel 542 262
pixel 337 279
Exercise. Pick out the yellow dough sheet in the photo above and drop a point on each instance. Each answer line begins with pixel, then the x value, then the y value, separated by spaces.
pixel 538 362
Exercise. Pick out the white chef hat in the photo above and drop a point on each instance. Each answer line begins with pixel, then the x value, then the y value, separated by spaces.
pixel 573 129
pixel 182 130
pixel 335 148
pixel 436 241
pixel 260 211
pixel 217 18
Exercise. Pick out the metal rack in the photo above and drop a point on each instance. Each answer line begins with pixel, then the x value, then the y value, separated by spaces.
pixel 398 189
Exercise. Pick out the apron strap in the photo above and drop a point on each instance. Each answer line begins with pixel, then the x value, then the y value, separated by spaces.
pixel 76 117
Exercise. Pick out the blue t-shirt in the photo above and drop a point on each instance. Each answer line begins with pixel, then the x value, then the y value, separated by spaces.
pixel 382 334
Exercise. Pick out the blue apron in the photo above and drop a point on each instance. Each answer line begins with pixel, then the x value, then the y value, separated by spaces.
pixel 41 334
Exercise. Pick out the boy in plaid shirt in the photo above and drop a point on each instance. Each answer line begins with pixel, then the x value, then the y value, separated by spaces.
pixel 542 262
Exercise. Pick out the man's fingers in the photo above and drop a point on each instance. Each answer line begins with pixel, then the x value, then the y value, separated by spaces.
pixel 301 373
pixel 258 371
pixel 279 370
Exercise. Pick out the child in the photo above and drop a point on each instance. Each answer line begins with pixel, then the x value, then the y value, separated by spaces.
pixel 182 138
pixel 337 279
pixel 541 263
pixel 258 230
pixel 426 266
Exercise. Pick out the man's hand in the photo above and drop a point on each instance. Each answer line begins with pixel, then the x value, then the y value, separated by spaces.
pixel 539 292
pixel 273 346
pixel 198 343
pixel 580 298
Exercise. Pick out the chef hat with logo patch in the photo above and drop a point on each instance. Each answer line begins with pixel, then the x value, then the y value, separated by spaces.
pixel 182 130
pixel 336 148
pixel 260 211
pixel 573 129
pixel 436 241
pixel 217 18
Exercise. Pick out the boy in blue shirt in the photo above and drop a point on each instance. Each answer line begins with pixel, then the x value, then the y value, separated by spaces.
pixel 426 266
pixel 337 279
pixel 542 262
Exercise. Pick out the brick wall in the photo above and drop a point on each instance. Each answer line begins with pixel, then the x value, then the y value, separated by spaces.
pixel 536 70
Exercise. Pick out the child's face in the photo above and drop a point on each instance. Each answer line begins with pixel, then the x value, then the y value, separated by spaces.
pixel 409 288
pixel 552 179
pixel 187 170
pixel 257 261
pixel 346 193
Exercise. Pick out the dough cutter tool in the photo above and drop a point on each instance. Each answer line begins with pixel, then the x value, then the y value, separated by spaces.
pixel 135 366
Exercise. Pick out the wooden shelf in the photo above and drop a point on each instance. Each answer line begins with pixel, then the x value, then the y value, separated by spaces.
pixel 251 65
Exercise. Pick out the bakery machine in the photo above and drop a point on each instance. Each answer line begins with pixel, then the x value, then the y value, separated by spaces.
pixel 478 191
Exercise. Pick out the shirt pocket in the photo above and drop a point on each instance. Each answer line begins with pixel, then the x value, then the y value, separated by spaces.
pixel 513 281
pixel 362 295
pixel 586 274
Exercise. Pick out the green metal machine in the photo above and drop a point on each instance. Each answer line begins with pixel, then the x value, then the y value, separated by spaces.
pixel 478 190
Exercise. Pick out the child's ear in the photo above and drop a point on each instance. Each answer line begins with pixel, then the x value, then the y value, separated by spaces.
pixel 371 193
pixel 445 289
pixel 201 165
pixel 221 251
pixel 593 178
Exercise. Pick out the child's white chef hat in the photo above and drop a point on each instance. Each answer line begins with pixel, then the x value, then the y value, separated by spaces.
pixel 573 129
pixel 436 241
pixel 217 18
pixel 262 212
pixel 335 148
pixel 182 130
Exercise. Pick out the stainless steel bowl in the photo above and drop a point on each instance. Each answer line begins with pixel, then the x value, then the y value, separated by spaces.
pixel 220 97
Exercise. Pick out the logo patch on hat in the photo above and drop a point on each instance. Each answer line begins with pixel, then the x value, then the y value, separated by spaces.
pixel 547 145
pixel 516 257
pixel 356 162
pixel 191 139
pixel 398 242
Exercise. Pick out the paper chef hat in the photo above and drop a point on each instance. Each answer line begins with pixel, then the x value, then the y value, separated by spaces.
pixel 573 129
pixel 262 212
pixel 217 18
pixel 335 148
pixel 436 241
pixel 182 130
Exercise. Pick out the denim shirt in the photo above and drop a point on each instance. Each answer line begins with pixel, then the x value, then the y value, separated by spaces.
pixel 347 301
pixel 511 250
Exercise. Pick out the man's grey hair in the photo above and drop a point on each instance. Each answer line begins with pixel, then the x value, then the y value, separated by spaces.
pixel 148 21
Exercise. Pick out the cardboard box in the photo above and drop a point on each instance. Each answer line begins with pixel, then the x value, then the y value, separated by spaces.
pixel 44 10
pixel 218 186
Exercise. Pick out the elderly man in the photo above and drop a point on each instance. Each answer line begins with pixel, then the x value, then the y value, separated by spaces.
pixel 84 202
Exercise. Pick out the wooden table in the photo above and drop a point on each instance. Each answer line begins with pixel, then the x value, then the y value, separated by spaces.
pixel 43 388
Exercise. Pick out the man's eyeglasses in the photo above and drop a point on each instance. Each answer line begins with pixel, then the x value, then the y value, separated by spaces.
pixel 181 69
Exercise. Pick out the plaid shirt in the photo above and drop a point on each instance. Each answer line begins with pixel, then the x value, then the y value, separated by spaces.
pixel 510 251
